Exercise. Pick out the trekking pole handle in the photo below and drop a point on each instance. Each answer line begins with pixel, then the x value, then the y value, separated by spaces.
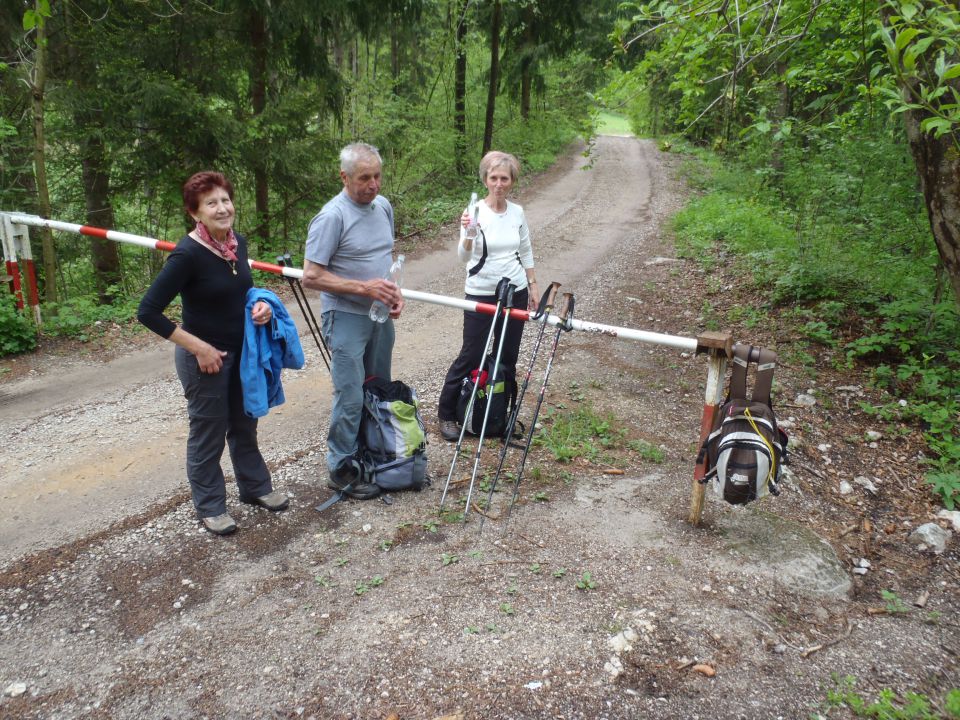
pixel 566 312
pixel 508 300
pixel 502 290
pixel 546 301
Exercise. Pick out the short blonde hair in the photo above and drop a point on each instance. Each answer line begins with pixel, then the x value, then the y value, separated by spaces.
pixel 495 159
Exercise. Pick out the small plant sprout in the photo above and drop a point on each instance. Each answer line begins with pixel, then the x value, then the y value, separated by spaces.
pixel 448 559
pixel 513 589
pixel 365 586
pixel 431 526
pixel 559 573
pixel 341 561
pixel 586 582
pixel 535 568
pixel 471 629
pixel 892 603
pixel 323 581
pixel 507 609
pixel 386 545
pixel 451 516
pixel 542 496
pixel 476 554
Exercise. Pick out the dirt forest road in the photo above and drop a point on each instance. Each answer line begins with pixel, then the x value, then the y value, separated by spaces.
pixel 593 600
pixel 88 445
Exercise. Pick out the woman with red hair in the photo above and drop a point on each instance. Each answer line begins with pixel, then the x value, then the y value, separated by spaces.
pixel 209 271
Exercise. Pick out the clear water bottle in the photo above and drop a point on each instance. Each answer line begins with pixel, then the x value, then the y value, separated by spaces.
pixel 473 209
pixel 379 312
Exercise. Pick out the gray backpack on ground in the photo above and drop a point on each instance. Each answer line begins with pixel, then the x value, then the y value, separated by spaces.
pixel 393 440
pixel 746 449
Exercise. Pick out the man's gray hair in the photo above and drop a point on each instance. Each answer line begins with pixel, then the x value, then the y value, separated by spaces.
pixel 355 153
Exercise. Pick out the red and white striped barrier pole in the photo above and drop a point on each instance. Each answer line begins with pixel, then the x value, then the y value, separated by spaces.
pixel 675 341
pixel 16 243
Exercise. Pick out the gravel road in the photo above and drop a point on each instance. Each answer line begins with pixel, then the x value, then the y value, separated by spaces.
pixel 594 600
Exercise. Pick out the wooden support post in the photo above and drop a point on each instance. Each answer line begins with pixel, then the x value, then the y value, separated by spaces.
pixel 719 347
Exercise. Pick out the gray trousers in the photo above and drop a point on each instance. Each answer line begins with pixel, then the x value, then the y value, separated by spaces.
pixel 215 409
pixel 360 348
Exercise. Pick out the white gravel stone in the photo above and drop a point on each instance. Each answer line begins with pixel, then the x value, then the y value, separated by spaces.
pixel 953 516
pixel 15 689
pixel 931 535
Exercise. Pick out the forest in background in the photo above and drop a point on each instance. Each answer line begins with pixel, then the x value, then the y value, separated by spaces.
pixel 822 138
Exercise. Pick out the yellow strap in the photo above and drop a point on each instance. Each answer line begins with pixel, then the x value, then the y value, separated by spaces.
pixel 773 456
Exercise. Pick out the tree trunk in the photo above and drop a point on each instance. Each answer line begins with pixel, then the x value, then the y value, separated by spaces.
pixel 258 98
pixel 395 46
pixel 96 189
pixel 37 90
pixel 938 165
pixel 526 64
pixel 460 88
pixel 494 76
pixel 526 80
pixel 95 169
pixel 783 112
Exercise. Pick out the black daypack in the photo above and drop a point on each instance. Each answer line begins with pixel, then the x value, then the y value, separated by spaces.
pixel 501 397
pixel 393 440
pixel 745 450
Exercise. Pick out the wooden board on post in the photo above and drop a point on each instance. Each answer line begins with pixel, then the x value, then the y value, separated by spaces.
pixel 719 347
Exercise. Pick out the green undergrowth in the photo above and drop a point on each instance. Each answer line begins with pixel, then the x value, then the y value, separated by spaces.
pixel 838 246
pixel 584 432
pixel 888 705
pixel 17 333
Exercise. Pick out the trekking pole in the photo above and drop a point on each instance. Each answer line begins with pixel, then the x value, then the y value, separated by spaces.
pixel 543 310
pixel 566 316
pixel 501 295
pixel 296 288
pixel 313 319
pixel 491 384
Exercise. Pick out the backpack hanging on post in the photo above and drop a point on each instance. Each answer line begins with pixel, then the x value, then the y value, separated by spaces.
pixel 745 450
pixel 393 440
pixel 501 396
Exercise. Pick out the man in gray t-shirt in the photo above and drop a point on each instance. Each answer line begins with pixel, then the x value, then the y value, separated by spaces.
pixel 348 254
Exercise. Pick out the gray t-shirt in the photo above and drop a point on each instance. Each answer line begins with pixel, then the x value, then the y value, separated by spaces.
pixel 352 241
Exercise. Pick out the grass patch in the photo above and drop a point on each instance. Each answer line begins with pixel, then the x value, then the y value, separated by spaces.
pixel 579 433
pixel 612 124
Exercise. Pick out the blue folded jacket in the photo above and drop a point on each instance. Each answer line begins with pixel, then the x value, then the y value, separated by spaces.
pixel 266 350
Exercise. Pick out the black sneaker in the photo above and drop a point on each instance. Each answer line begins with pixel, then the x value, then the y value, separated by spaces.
pixel 347 479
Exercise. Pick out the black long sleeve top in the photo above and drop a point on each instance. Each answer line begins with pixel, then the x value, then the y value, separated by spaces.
pixel 214 299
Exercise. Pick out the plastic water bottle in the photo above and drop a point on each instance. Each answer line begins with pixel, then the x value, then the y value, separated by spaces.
pixel 379 312
pixel 472 210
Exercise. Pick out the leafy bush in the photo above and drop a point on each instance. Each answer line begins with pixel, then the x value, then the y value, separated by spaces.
pixel 17 333
pixel 78 318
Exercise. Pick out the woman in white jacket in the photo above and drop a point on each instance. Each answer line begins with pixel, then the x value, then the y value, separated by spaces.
pixel 502 249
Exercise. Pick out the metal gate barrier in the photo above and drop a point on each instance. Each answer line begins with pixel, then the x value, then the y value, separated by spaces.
pixel 718 347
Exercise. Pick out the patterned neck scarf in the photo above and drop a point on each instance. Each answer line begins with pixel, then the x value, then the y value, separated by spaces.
pixel 228 248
